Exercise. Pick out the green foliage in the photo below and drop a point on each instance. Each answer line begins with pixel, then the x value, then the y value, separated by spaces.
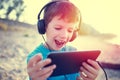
pixel 8 6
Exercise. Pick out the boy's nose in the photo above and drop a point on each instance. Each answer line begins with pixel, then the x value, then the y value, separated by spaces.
pixel 64 34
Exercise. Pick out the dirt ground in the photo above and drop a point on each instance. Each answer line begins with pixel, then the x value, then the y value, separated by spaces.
pixel 16 44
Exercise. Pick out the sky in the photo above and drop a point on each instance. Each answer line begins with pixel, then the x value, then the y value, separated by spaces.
pixel 103 15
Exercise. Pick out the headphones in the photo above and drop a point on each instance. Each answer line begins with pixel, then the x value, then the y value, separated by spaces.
pixel 42 27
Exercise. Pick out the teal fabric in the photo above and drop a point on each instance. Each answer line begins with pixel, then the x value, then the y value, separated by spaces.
pixel 41 49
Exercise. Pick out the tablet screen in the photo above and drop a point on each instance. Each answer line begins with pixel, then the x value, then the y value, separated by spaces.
pixel 70 62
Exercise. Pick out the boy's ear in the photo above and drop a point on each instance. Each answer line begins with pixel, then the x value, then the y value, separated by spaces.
pixel 41 26
pixel 75 34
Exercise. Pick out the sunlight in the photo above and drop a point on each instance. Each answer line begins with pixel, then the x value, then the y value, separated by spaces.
pixel 32 10
pixel 102 15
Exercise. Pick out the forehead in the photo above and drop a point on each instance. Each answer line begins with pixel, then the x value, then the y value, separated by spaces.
pixel 57 20
pixel 64 9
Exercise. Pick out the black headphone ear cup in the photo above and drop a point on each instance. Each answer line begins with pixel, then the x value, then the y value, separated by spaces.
pixel 41 22
pixel 75 34
pixel 41 26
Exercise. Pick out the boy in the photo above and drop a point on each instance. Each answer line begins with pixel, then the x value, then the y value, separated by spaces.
pixel 61 19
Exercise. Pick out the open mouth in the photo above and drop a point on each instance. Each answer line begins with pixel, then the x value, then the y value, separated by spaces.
pixel 59 43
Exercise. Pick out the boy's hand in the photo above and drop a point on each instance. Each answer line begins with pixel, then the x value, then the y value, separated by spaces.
pixel 89 70
pixel 36 69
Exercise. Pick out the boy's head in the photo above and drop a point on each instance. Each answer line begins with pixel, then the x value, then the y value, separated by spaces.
pixel 63 18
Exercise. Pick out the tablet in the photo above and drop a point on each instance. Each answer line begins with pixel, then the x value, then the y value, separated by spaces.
pixel 70 62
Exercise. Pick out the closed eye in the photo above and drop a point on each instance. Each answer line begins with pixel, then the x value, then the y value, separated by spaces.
pixel 70 30
pixel 58 28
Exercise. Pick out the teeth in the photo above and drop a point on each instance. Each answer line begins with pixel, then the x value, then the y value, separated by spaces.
pixel 60 42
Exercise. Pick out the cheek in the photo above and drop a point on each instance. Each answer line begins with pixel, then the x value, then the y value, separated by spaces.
pixel 50 34
pixel 71 35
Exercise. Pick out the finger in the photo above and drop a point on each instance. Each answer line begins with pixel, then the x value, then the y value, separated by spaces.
pixel 44 77
pixel 44 72
pixel 34 60
pixel 86 73
pixel 85 78
pixel 44 62
pixel 40 65
pixel 94 64
pixel 47 75
pixel 89 68
pixel 47 69
pixel 79 78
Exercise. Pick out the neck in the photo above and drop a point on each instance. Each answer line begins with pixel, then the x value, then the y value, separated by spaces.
pixel 47 46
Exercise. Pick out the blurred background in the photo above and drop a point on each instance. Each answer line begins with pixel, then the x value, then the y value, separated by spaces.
pixel 102 15
pixel 19 36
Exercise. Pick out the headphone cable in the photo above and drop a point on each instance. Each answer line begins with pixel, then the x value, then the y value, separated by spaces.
pixel 46 44
pixel 103 70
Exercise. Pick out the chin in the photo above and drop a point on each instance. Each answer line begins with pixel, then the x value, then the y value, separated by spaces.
pixel 58 47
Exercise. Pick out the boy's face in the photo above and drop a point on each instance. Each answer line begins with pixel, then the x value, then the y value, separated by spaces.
pixel 59 32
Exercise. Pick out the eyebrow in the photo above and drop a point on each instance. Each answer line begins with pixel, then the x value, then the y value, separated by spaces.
pixel 63 26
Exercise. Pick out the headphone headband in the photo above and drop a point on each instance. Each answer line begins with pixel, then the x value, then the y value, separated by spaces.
pixel 45 7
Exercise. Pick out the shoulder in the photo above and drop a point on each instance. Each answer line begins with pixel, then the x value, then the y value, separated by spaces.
pixel 37 50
